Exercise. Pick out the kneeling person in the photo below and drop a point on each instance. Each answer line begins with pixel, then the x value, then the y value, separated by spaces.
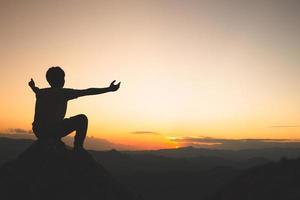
pixel 51 107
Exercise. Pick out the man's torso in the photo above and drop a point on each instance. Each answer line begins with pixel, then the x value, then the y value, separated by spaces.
pixel 50 107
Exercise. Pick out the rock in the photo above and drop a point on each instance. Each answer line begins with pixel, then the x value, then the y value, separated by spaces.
pixel 51 170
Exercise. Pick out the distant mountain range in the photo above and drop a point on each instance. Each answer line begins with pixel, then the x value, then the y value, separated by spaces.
pixel 183 173
pixel 235 155
pixel 275 180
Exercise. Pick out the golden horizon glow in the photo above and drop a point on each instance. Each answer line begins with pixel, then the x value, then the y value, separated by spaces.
pixel 187 68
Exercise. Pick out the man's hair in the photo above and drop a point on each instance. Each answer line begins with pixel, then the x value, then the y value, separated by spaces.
pixel 55 76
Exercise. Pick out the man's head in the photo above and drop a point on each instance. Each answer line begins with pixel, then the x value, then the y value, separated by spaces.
pixel 56 77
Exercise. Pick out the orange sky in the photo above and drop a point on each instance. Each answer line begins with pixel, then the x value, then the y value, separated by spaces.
pixel 188 68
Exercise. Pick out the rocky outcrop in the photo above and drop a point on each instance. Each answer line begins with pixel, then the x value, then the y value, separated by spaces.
pixel 50 170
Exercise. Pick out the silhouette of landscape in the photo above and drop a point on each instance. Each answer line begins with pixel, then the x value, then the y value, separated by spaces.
pixel 274 180
pixel 183 173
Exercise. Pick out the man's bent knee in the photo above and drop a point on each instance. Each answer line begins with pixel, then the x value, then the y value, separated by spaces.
pixel 83 118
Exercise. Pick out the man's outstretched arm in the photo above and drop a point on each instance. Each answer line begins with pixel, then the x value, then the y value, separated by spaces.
pixel 32 86
pixel 93 91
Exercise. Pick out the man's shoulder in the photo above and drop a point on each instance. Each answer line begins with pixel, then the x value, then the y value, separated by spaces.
pixel 55 89
pixel 70 93
pixel 45 89
pixel 65 93
pixel 52 91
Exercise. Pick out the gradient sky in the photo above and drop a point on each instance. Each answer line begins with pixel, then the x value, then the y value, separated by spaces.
pixel 215 68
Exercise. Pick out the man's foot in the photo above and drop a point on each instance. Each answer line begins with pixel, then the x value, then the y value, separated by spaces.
pixel 79 149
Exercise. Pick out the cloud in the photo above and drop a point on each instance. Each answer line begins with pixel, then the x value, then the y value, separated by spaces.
pixel 145 133
pixel 19 130
pixel 221 143
pixel 295 126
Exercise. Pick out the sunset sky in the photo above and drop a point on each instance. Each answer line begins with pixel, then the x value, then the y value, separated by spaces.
pixel 210 69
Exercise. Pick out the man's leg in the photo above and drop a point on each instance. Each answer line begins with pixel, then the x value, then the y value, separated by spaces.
pixel 78 123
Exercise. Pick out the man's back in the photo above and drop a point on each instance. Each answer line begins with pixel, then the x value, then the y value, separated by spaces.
pixel 51 106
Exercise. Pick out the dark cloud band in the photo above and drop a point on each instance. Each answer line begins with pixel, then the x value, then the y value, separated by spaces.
pixel 222 143
pixel 145 133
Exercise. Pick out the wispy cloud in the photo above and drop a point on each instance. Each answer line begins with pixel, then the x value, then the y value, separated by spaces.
pixel 18 130
pixel 145 133
pixel 284 126
pixel 210 142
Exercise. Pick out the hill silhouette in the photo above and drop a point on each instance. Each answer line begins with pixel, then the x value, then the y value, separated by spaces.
pixel 275 180
pixel 186 173
pixel 50 170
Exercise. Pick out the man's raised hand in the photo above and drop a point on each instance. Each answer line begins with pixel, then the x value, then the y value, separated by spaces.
pixel 31 83
pixel 114 87
pixel 32 86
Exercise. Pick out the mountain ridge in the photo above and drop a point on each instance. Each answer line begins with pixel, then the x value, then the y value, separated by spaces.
pixel 274 180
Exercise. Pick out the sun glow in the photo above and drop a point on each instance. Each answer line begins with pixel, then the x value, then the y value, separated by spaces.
pixel 187 68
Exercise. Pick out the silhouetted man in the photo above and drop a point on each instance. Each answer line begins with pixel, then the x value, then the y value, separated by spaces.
pixel 51 107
